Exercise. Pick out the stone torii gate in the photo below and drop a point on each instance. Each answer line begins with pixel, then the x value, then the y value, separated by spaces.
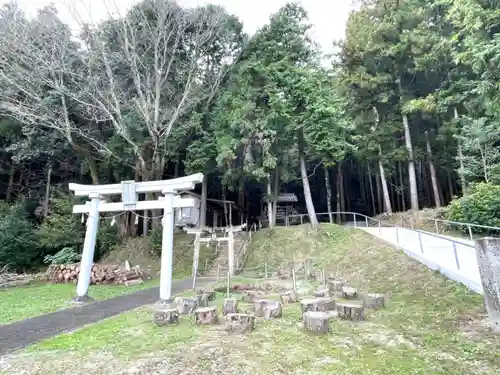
pixel 129 191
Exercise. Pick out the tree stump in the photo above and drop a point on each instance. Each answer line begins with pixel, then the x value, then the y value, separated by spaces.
pixel 202 300
pixel 251 295
pixel 186 305
pixel 289 297
pixel 316 322
pixel 335 287
pixel 351 311
pixel 267 308
pixel 349 293
pixel 165 315
pixel 374 300
pixel 239 323
pixel 230 306
pixel 317 304
pixel 322 292
pixel 209 292
pixel 206 315
pixel 326 303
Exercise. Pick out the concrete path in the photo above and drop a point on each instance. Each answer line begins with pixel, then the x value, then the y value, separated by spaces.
pixel 19 335
pixel 453 257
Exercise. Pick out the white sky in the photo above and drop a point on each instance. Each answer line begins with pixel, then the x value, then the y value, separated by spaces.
pixel 328 16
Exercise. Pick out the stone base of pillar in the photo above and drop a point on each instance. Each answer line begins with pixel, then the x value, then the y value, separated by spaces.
pixel 80 300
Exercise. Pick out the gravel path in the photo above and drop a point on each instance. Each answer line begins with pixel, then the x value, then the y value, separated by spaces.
pixel 19 335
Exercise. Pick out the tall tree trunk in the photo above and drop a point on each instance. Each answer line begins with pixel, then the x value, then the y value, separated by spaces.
pixel 451 190
pixel 461 171
pixel 47 190
pixel 342 191
pixel 203 204
pixel 385 189
pixel 275 192
pixel 307 189
pixel 338 195
pixel 328 194
pixel 380 193
pixel 372 190
pixel 435 185
pixel 362 183
pixel 402 187
pixel 241 198
pixel 411 165
pixel 270 203
pixel 177 166
pixel 10 186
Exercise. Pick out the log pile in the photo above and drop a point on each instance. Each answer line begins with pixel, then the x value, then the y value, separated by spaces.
pixel 101 274
pixel 8 280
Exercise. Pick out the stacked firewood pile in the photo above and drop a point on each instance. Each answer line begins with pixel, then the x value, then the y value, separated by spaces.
pixel 101 274
pixel 13 279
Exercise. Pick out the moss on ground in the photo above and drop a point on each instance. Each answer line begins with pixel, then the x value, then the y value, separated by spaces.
pixel 430 326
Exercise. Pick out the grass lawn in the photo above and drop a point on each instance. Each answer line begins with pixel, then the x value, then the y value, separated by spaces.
pixel 430 325
pixel 39 298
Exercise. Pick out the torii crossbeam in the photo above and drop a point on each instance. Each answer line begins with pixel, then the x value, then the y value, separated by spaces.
pixel 129 191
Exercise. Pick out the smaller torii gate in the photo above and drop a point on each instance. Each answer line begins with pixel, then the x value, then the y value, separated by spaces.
pixel 129 191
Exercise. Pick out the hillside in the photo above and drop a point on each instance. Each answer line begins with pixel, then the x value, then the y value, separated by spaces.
pixel 146 253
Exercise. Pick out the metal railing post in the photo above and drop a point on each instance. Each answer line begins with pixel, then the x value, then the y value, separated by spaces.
pixel 470 233
pixel 355 225
pixel 366 221
pixel 455 252
pixel 301 219
pixel 379 228
pixel 436 225
pixel 397 236
pixel 420 242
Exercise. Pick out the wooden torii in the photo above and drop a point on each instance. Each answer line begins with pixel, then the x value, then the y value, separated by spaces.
pixel 230 245
pixel 129 191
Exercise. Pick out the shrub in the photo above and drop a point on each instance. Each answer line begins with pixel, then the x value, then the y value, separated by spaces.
pixel 481 206
pixel 61 228
pixel 66 255
pixel 19 248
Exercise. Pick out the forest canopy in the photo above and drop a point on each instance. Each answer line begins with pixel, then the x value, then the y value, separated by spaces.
pixel 404 116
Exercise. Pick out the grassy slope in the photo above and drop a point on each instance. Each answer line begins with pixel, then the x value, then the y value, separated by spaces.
pixel 33 300
pixel 430 326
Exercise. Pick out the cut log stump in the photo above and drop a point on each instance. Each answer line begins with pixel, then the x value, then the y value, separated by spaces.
pixel 267 308
pixel 206 315
pixel 202 300
pixel 186 305
pixel 165 315
pixel 335 287
pixel 317 304
pixel 239 323
pixel 210 293
pixel 326 303
pixel 349 293
pixel 251 295
pixel 351 310
pixel 289 297
pixel 316 322
pixel 322 292
pixel 374 300
pixel 230 306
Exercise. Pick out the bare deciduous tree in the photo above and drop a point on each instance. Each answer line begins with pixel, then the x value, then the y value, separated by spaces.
pixel 134 78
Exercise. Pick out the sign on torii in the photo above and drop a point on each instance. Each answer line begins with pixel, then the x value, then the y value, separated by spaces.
pixel 129 191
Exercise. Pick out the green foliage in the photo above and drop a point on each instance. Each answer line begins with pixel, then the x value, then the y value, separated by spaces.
pixel 66 255
pixel 19 249
pixel 481 206
pixel 61 228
